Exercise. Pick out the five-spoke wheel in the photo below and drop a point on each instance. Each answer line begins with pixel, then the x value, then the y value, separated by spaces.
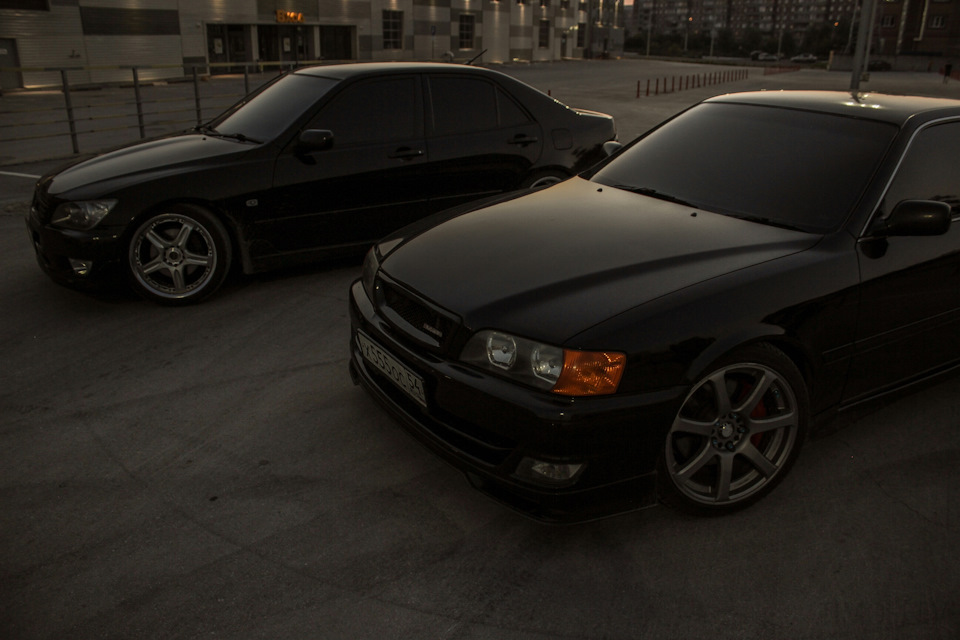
pixel 179 256
pixel 737 433
pixel 543 179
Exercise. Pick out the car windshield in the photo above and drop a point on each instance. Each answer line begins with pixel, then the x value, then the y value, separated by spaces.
pixel 268 112
pixel 785 167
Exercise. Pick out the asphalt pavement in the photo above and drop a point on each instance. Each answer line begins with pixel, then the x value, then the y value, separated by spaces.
pixel 211 472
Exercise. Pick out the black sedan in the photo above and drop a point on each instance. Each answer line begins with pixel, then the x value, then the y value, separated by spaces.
pixel 319 162
pixel 671 324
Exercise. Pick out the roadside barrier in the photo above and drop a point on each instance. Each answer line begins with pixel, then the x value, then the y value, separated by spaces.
pixel 76 118
pixel 769 71
pixel 693 81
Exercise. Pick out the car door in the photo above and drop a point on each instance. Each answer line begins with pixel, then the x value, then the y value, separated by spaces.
pixel 909 321
pixel 368 182
pixel 480 140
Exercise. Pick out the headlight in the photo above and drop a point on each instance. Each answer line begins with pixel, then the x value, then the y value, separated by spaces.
pixel 82 215
pixel 563 371
pixel 370 267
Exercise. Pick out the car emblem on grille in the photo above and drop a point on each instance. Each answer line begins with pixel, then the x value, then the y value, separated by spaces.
pixel 432 330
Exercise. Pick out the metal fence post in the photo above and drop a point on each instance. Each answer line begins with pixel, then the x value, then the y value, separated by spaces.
pixel 70 119
pixel 246 79
pixel 136 93
pixel 196 96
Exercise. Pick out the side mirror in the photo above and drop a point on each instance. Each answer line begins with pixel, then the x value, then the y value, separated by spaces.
pixel 610 147
pixel 918 218
pixel 315 140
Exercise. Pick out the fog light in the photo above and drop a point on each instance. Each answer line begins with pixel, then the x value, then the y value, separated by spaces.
pixel 81 267
pixel 557 473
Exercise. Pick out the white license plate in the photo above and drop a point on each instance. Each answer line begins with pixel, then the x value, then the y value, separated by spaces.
pixel 396 371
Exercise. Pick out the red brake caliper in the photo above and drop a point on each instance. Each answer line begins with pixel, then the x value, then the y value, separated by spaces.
pixel 759 412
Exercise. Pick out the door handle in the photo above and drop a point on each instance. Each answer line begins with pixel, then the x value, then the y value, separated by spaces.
pixel 522 140
pixel 406 153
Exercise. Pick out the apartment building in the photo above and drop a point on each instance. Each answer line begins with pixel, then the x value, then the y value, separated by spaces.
pixel 900 27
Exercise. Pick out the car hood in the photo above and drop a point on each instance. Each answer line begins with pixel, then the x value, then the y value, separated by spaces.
pixel 556 262
pixel 129 163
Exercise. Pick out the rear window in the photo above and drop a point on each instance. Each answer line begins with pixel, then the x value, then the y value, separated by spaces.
pixel 779 166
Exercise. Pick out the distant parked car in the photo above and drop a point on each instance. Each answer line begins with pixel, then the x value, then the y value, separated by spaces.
pixel 670 324
pixel 879 65
pixel 804 58
pixel 319 162
pixel 767 57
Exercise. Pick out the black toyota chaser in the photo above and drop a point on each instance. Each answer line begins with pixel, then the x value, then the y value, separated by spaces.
pixel 671 324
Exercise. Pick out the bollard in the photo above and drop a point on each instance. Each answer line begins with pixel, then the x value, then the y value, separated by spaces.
pixel 70 120
pixel 196 97
pixel 136 95
pixel 246 80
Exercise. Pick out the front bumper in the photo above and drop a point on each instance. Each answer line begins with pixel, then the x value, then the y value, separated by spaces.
pixel 491 428
pixel 62 253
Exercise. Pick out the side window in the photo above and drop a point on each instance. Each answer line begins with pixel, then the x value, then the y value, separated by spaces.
pixel 372 111
pixel 462 105
pixel 510 114
pixel 930 170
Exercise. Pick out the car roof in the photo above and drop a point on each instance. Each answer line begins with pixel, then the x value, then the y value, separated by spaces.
pixel 895 109
pixel 355 69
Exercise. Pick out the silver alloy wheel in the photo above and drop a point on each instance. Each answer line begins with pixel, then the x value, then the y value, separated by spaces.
pixel 545 181
pixel 173 256
pixel 736 432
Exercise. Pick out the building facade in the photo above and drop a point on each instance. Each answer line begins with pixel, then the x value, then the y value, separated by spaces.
pixel 900 27
pixel 173 36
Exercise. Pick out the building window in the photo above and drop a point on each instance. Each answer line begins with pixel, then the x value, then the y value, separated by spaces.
pixel 544 34
pixel 581 34
pixel 25 5
pixel 392 29
pixel 467 24
pixel 888 21
pixel 564 4
pixel 938 22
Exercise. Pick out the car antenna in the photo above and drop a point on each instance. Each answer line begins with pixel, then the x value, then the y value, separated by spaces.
pixel 474 58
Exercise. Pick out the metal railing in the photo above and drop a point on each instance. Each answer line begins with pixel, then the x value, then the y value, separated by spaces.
pixel 108 110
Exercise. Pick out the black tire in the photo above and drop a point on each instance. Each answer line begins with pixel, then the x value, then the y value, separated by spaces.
pixel 737 433
pixel 543 179
pixel 179 255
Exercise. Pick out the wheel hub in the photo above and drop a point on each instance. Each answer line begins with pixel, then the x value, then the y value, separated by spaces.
pixel 173 256
pixel 727 432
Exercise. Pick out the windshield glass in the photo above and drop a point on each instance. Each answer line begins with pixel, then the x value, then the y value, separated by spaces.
pixel 784 167
pixel 268 112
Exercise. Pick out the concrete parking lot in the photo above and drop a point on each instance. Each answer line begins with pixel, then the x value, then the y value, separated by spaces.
pixel 211 472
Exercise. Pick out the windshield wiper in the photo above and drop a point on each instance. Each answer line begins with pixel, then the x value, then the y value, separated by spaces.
pixel 653 193
pixel 210 131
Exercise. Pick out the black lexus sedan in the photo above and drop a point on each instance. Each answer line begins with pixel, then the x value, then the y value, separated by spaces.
pixel 670 324
pixel 320 162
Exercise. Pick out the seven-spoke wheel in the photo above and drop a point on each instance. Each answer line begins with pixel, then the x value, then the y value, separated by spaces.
pixel 179 256
pixel 737 433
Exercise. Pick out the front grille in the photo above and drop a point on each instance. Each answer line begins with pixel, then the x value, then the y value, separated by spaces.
pixel 426 324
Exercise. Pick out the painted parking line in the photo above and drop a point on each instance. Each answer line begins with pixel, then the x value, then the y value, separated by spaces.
pixel 19 175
